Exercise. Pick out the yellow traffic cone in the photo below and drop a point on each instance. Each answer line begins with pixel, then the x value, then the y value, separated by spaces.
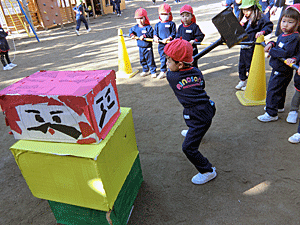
pixel 255 93
pixel 125 70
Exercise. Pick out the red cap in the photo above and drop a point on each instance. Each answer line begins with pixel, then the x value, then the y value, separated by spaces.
pixel 295 7
pixel 164 8
pixel 180 50
pixel 139 13
pixel 186 8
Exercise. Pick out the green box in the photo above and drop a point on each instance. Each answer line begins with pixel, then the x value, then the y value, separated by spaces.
pixel 76 215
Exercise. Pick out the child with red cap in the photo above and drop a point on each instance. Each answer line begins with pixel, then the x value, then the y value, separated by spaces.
pixel 189 30
pixel 164 31
pixel 188 85
pixel 4 48
pixel 142 30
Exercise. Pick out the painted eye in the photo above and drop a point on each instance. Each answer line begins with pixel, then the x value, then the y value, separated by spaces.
pixel 39 118
pixel 56 119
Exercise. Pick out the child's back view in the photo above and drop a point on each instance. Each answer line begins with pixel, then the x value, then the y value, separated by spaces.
pixel 188 85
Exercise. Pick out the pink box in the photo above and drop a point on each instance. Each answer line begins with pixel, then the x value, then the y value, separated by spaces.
pixel 62 106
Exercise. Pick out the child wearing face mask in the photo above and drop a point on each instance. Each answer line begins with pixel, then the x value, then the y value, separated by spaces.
pixel 142 30
pixel 255 24
pixel 164 31
pixel 189 30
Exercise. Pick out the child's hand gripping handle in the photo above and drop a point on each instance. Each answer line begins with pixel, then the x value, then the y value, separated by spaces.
pixel 292 65
pixel 145 39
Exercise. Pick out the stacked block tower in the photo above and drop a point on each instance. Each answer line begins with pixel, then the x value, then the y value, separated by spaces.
pixel 77 146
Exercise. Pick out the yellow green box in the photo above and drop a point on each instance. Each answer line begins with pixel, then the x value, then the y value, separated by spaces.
pixel 89 176
pixel 70 214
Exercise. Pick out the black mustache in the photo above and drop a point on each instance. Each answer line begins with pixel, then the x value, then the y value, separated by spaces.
pixel 70 131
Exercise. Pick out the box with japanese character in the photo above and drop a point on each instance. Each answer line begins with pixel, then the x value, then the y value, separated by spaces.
pixel 62 106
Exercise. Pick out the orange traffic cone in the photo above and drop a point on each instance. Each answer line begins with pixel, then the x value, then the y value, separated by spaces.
pixel 255 93
pixel 125 70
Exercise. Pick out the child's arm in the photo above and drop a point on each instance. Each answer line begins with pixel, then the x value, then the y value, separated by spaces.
pixel 132 33
pixel 173 32
pixel 267 27
pixel 155 37
pixel 199 36
pixel 149 33
pixel 271 4
pixel 290 49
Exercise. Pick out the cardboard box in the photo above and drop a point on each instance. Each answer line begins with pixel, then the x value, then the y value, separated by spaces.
pixel 71 214
pixel 62 106
pixel 90 176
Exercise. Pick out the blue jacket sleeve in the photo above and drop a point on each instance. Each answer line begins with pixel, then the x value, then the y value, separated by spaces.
pixel 287 52
pixel 199 36
pixel 132 31
pixel 267 25
pixel 150 32
pixel 179 33
pixel 173 32
pixel 156 30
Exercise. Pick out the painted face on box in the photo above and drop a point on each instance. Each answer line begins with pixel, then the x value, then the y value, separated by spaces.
pixel 64 122
pixel 42 121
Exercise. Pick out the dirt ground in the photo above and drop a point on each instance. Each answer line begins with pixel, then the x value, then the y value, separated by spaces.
pixel 258 169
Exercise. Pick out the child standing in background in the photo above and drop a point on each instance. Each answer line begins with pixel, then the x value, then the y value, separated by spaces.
pixel 143 30
pixel 117 6
pixel 189 30
pixel 255 24
pixel 80 17
pixel 287 46
pixel 4 48
pixel 188 85
pixel 266 5
pixel 164 31
pixel 293 114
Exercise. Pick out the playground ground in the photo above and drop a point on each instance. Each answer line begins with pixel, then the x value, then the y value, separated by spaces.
pixel 258 169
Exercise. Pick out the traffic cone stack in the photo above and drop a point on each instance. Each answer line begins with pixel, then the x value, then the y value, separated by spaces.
pixel 255 93
pixel 125 70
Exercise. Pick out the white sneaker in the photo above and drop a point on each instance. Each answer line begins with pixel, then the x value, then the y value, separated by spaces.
pixel 162 75
pixel 88 30
pixel 243 88
pixel 7 67
pixel 279 110
pixel 184 132
pixel 77 32
pixel 144 74
pixel 114 12
pixel 205 177
pixel 153 75
pixel 267 118
pixel 12 65
pixel 240 85
pixel 295 139
pixel 292 117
